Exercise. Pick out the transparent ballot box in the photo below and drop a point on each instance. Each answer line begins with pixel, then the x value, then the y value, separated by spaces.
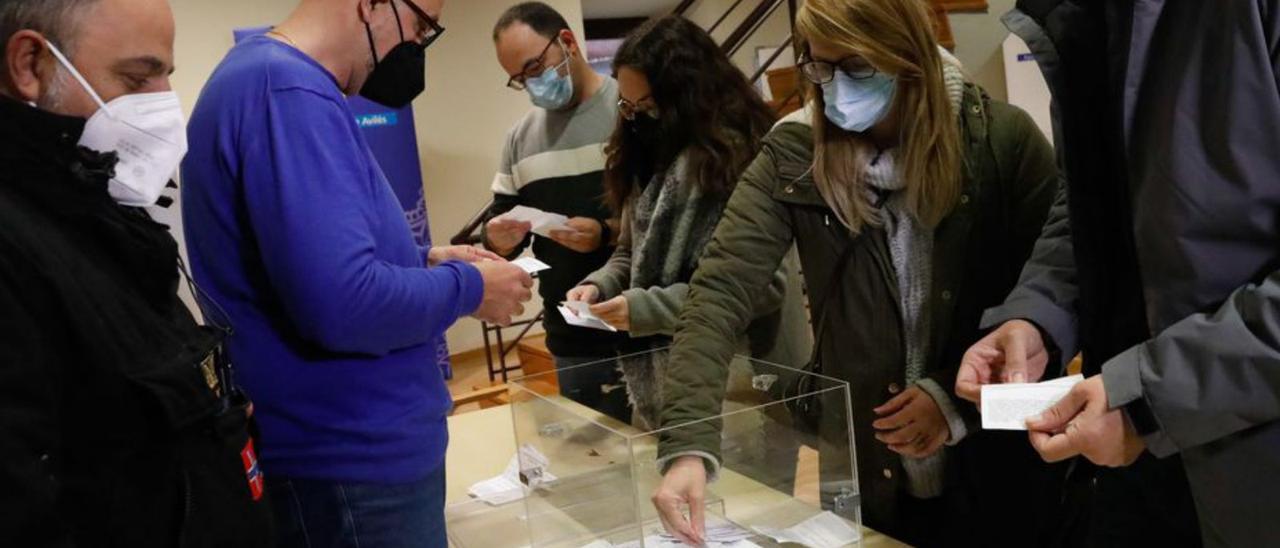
pixel 587 478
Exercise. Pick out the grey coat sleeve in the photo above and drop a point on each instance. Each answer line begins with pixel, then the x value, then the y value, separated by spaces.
pixel 1047 291
pixel 1208 376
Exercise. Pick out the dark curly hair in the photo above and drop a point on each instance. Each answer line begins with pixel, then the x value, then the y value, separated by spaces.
pixel 707 108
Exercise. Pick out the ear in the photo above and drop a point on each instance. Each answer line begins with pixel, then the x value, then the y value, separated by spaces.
pixel 25 65
pixel 364 9
pixel 570 42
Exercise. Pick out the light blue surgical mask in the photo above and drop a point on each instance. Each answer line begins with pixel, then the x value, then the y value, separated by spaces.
pixel 551 90
pixel 858 104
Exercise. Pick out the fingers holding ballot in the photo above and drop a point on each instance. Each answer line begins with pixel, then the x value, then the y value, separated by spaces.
pixel 1013 353
pixel 1082 423
pixel 614 312
pixel 507 286
pixel 580 234
pixel 582 309
pixel 504 234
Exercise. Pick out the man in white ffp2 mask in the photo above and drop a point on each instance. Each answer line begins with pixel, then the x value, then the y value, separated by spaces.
pixel 120 423
pixel 123 93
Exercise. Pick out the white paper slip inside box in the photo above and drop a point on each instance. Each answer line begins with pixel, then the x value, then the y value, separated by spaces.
pixel 578 313
pixel 821 531
pixel 531 265
pixel 1008 406
pixel 543 221
pixel 506 487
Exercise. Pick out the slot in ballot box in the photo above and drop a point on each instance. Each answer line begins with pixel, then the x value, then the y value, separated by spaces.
pixel 587 479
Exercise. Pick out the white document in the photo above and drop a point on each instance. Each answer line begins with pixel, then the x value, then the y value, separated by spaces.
pixel 1008 406
pixel 579 313
pixel 720 533
pixel 825 530
pixel 531 265
pixel 543 222
pixel 506 487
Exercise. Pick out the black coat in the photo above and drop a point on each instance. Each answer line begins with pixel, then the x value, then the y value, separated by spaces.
pixel 110 434
pixel 1161 261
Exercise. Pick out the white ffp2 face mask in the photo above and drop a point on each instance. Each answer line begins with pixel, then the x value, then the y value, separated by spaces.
pixel 147 131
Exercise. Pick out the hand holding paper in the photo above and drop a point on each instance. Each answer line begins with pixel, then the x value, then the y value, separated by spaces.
pixel 579 313
pixel 541 222
pixel 1008 406
pixel 531 265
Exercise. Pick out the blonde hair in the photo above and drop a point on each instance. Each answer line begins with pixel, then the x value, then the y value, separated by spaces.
pixel 896 37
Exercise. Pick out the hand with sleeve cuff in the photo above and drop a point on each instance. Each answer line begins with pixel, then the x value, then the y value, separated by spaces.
pixel 912 424
pixel 1013 353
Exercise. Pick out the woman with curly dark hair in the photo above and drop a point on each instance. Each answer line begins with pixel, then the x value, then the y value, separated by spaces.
pixel 690 124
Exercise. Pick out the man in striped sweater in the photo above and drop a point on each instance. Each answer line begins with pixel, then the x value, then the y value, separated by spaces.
pixel 553 160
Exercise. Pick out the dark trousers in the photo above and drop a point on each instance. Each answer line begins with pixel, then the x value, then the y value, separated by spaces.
pixel 1146 504
pixel 316 514
pixel 595 382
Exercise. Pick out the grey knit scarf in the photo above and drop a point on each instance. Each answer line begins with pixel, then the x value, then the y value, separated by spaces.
pixel 672 221
pixel 911 248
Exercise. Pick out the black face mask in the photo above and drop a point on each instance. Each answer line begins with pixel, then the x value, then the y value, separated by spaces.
pixel 646 130
pixel 400 76
pixel 645 141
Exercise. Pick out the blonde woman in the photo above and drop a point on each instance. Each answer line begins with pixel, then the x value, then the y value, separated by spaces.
pixel 914 199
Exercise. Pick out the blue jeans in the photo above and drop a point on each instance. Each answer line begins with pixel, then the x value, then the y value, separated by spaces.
pixel 597 387
pixel 317 513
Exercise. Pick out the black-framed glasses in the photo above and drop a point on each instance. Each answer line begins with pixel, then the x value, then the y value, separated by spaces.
pixel 822 72
pixel 628 109
pixel 534 67
pixel 433 30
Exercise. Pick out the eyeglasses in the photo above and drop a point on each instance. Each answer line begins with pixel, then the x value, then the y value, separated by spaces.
pixel 628 110
pixel 433 29
pixel 822 72
pixel 534 67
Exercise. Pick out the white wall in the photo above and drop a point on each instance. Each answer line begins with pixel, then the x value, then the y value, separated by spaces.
pixel 979 37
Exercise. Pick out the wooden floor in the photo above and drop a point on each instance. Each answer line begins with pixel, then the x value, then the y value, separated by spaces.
pixel 470 373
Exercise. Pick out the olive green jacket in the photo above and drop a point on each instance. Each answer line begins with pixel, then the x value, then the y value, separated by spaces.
pixel 979 251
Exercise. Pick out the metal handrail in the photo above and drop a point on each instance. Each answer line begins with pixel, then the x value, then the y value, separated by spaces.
pixel 468 235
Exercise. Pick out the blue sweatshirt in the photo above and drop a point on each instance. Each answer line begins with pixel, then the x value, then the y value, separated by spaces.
pixel 293 229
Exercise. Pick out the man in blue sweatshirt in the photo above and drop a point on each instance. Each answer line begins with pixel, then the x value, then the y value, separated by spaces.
pixel 293 229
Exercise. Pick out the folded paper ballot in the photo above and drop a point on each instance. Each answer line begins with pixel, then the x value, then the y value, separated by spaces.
pixel 531 265
pixel 543 222
pixel 1008 406
pixel 506 487
pixel 821 531
pixel 579 313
